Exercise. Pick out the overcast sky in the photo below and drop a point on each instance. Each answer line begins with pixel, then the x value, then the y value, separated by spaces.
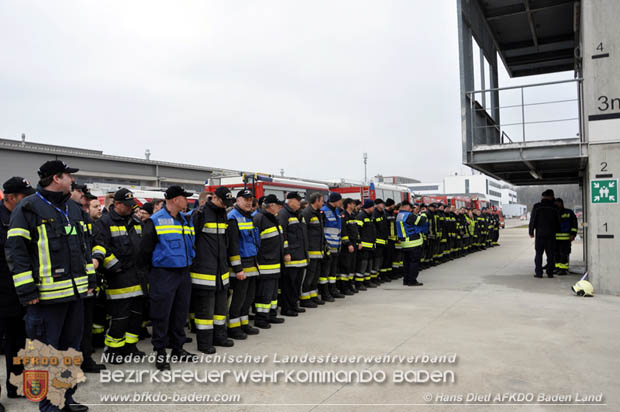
pixel 306 86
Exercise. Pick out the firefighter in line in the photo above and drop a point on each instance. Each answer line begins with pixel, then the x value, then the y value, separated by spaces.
pixel 52 267
pixel 313 216
pixel 398 264
pixel 210 272
pixel 366 248
pixel 12 326
pixel 167 252
pixel 381 230
pixel 332 230
pixel 388 254
pixel 564 237
pixel 295 253
pixel 270 262
pixel 116 245
pixel 348 254
pixel 242 250
pixel 410 226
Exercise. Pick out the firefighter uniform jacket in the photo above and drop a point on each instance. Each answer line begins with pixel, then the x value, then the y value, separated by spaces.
pixel 350 224
pixel 568 225
pixel 116 245
pixel 46 249
pixel 243 243
pixel 381 227
pixel 295 237
pixel 210 268
pixel 390 217
pixel 368 232
pixel 9 303
pixel 316 236
pixel 271 250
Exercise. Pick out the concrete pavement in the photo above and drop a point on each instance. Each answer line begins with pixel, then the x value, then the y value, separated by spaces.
pixel 511 333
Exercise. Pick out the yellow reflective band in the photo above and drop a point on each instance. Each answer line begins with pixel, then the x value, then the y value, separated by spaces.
pixel 315 253
pixel 296 263
pixel 56 294
pixel 368 245
pixel 123 293
pixel 113 342
pixel 381 242
pixel 219 317
pixel 213 225
pixel 110 261
pixel 245 225
pixel 235 260
pixel 18 231
pixel 45 265
pixel 274 266
pixel 194 275
pixel 90 269
pixel 20 279
pixel 131 338
pixel 98 249
pixel 345 238
pixel 314 219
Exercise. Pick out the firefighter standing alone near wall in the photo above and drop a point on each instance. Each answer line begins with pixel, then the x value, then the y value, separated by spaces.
pixel 563 238
pixel 52 268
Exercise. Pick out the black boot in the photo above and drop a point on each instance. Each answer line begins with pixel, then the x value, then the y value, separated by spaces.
pixel 325 295
pixel 90 366
pixel 360 286
pixel 273 317
pixel 220 337
pixel 114 355
pixel 262 323
pixel 308 303
pixel 181 355
pixel 248 330
pixel 237 334
pixel 318 300
pixel 161 361
pixel 335 291
pixel 132 349
pixel 204 337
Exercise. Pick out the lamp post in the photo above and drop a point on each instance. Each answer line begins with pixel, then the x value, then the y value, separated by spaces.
pixel 365 156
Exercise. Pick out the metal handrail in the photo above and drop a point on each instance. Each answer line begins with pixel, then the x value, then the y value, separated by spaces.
pixel 492 120
pixel 499 89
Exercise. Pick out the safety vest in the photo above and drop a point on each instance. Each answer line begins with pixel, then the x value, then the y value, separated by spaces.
pixel 333 227
pixel 408 234
pixel 175 248
pixel 248 235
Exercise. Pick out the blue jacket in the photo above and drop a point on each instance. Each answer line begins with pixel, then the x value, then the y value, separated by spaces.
pixel 333 228
pixel 175 246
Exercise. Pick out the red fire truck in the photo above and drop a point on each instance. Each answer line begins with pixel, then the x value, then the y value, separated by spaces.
pixel 374 191
pixel 263 185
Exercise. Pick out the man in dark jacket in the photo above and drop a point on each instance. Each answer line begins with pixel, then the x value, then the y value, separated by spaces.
pixel 381 228
pixel 313 216
pixel 366 247
pixel 210 271
pixel 11 312
pixel 296 247
pixel 52 267
pixel 117 237
pixel 544 224
pixel 270 258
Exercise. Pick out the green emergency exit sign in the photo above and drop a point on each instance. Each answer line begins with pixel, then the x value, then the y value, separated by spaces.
pixel 604 191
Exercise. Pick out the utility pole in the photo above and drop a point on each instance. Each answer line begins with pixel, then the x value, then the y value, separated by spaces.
pixel 365 156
